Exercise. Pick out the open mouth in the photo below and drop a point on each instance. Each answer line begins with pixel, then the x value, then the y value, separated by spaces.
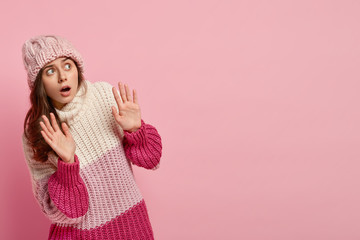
pixel 66 89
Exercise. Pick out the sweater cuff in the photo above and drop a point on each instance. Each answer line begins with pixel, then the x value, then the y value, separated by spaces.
pixel 68 173
pixel 67 190
pixel 137 136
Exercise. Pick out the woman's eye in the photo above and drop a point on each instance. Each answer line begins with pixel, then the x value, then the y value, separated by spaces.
pixel 67 66
pixel 50 71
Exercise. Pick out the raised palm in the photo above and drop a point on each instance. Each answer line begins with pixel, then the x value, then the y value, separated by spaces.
pixel 129 115
pixel 63 145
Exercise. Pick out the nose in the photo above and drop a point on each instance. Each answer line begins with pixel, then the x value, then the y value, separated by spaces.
pixel 62 76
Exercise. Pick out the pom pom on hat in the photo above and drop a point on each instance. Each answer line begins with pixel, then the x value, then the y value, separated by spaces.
pixel 40 50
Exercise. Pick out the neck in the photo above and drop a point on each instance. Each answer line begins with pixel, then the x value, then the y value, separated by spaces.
pixel 69 112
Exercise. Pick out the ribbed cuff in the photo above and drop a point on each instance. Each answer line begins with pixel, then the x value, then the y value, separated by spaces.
pixel 143 147
pixel 67 190
pixel 68 173
pixel 136 137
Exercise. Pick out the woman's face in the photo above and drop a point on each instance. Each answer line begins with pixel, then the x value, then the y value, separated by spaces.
pixel 60 79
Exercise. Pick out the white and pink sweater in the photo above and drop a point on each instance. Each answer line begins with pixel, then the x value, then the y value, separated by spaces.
pixel 96 197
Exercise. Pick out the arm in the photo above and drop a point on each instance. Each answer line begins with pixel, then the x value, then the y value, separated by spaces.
pixel 60 192
pixel 143 147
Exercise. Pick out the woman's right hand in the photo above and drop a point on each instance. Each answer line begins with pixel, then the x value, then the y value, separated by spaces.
pixel 63 145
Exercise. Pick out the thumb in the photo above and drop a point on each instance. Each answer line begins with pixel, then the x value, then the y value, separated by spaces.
pixel 116 115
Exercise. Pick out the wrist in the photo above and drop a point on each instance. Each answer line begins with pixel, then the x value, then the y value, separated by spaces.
pixel 134 129
pixel 71 160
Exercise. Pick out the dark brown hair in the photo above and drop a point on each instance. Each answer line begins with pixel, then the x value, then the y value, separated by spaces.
pixel 42 105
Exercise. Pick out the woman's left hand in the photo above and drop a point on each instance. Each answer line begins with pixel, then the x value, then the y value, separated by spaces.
pixel 129 116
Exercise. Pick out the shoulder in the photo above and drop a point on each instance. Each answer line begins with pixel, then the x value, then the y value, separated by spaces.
pixel 102 86
pixel 29 155
pixel 103 92
pixel 27 149
pixel 25 141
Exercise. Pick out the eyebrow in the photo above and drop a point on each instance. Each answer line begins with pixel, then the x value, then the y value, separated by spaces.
pixel 53 65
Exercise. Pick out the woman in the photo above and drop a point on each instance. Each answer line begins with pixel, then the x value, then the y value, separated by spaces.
pixel 80 141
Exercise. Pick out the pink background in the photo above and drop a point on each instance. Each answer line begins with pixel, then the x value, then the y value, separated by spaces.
pixel 257 103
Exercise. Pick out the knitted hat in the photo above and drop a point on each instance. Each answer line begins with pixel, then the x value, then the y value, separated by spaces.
pixel 40 50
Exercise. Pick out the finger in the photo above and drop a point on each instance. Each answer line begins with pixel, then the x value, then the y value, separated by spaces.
pixel 117 97
pixel 116 115
pixel 53 122
pixel 46 131
pixel 114 110
pixel 66 129
pixel 47 124
pixel 47 139
pixel 122 92
pixel 128 93
pixel 135 97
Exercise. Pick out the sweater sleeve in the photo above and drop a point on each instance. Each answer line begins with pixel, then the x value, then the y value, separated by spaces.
pixel 59 191
pixel 143 147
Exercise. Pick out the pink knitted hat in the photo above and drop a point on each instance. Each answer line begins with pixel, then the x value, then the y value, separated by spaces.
pixel 40 50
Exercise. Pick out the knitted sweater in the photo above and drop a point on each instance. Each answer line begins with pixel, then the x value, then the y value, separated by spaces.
pixel 96 197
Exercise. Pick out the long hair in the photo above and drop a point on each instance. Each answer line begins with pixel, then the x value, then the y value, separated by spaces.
pixel 42 105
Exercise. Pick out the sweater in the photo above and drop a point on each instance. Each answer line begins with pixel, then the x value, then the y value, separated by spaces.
pixel 96 197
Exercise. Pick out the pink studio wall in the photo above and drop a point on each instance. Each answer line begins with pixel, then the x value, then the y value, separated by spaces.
pixel 257 103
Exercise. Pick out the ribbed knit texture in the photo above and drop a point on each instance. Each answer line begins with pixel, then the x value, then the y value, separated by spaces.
pixel 96 197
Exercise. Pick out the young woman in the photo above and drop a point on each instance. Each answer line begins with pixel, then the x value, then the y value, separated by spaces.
pixel 80 140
